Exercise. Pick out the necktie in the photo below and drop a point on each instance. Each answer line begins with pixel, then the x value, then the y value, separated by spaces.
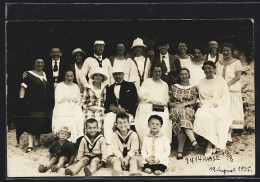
pixel 118 83
pixel 55 68
pixel 99 61
pixel 164 68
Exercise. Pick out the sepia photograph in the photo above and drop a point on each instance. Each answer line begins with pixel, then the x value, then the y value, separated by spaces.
pixel 130 97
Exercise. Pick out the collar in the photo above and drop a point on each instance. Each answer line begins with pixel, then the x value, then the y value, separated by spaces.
pixel 98 136
pixel 103 84
pixel 128 133
pixel 120 83
pixel 165 56
pixel 57 60
pixel 98 56
pixel 159 134
pixel 184 87
pixel 38 76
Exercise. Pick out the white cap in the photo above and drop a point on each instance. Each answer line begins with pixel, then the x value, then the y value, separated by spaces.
pixel 138 42
pixel 118 69
pixel 99 42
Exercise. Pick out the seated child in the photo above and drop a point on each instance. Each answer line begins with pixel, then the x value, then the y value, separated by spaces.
pixel 124 145
pixel 92 151
pixel 61 151
pixel 156 148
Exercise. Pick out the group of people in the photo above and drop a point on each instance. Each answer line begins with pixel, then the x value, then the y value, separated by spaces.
pixel 114 108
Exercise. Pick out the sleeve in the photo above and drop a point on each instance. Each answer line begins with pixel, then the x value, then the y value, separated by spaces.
pixel 59 92
pixel 127 70
pixel 72 149
pixel 238 66
pixel 108 100
pixel 165 144
pixel 81 148
pixel 103 149
pixel 166 94
pixel 223 93
pixel 134 145
pixel 115 148
pixel 85 100
pixel 147 69
pixel 171 99
pixel 144 91
pixel 144 151
pixel 110 77
pixel 132 102
pixel 25 81
pixel 85 70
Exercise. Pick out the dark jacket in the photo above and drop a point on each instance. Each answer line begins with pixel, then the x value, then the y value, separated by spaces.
pixel 175 67
pixel 127 97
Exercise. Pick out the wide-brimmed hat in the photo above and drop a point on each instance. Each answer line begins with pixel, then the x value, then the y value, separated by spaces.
pixel 118 69
pixel 78 51
pixel 98 70
pixel 138 42
pixel 99 42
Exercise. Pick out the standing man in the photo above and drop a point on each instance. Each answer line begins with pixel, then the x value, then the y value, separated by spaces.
pixel 171 64
pixel 121 97
pixel 97 60
pixel 213 54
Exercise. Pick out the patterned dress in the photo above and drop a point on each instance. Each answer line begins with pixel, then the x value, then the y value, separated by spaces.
pixel 93 97
pixel 182 117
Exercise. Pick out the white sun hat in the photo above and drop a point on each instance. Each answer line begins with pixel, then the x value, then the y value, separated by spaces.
pixel 138 42
pixel 99 42
pixel 98 70
pixel 78 51
pixel 118 69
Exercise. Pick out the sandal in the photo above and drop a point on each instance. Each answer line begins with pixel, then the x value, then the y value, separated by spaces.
pixel 29 150
pixel 194 146
pixel 179 157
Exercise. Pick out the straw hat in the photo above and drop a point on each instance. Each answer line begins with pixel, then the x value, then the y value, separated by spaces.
pixel 99 42
pixel 118 69
pixel 98 70
pixel 138 42
pixel 78 51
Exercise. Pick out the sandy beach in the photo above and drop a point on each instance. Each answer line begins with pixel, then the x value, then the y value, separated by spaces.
pixel 238 159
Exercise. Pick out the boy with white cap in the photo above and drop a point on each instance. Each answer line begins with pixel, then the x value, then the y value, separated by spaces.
pixel 95 61
pixel 138 67
pixel 121 97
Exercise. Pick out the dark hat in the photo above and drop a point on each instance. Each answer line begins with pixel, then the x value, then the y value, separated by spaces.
pixel 210 63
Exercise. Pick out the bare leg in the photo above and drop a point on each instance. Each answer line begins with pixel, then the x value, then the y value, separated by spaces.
pixel 51 162
pixel 82 162
pixel 117 164
pixel 133 165
pixel 61 162
pixel 181 140
pixel 190 134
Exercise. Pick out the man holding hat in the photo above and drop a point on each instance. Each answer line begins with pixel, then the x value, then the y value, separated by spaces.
pixel 96 61
pixel 138 66
pixel 213 54
pixel 171 64
pixel 121 97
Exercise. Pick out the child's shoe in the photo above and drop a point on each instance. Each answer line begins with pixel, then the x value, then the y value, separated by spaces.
pixel 42 168
pixel 87 171
pixel 116 173
pixel 54 168
pixel 68 172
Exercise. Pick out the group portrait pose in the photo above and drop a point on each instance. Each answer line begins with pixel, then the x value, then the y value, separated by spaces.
pixel 128 109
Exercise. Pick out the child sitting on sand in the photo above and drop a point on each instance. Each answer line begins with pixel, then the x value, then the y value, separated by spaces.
pixel 124 145
pixel 156 148
pixel 61 151
pixel 92 151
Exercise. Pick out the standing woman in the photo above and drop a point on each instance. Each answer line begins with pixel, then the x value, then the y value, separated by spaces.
pixel 213 117
pixel 33 95
pixel 67 110
pixel 230 69
pixel 94 96
pixel 185 58
pixel 196 73
pixel 78 56
pixel 154 97
pixel 183 97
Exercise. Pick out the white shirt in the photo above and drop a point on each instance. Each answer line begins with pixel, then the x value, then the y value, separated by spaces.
pixel 166 60
pixel 157 145
pixel 211 58
pixel 186 62
pixel 117 90
pixel 91 64
pixel 78 73
pixel 56 73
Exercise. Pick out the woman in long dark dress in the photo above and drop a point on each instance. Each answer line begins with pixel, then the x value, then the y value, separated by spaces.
pixel 33 96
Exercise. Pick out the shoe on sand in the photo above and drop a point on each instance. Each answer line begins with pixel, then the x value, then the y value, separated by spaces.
pixel 87 171
pixel 68 172
pixel 42 168
pixel 54 168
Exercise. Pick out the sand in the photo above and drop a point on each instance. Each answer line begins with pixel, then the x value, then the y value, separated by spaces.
pixel 238 159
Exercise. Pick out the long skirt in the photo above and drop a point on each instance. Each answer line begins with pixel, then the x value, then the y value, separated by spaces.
pixel 143 112
pixel 236 107
pixel 213 124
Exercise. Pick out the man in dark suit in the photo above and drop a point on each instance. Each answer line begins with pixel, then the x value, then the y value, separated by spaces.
pixel 171 64
pixel 121 97
pixel 55 71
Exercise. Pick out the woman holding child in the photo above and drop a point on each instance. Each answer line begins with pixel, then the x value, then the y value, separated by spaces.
pixel 67 110
pixel 213 117
pixel 183 97
pixel 154 97
pixel 94 96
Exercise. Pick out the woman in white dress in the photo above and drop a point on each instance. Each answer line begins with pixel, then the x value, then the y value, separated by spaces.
pixel 196 73
pixel 230 69
pixel 67 110
pixel 154 98
pixel 185 58
pixel 213 118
